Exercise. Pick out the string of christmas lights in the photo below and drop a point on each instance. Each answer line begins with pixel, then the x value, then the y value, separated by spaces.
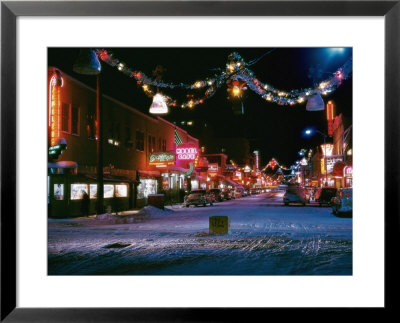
pixel 237 76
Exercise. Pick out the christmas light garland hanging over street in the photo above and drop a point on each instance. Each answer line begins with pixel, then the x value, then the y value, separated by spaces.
pixel 237 76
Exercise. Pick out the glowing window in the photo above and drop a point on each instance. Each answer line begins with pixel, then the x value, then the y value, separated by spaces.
pixel 108 191
pixel 121 190
pixel 93 191
pixel 77 191
pixel 58 191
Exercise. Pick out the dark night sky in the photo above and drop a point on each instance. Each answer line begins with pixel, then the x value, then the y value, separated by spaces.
pixel 274 130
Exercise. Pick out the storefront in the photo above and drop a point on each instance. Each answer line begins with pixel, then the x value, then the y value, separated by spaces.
pixel 67 188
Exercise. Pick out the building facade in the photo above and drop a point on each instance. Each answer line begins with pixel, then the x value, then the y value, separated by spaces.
pixel 131 139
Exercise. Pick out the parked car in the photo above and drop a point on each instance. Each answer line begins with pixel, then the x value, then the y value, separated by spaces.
pixel 295 194
pixel 227 194
pixel 218 196
pixel 309 192
pixel 342 202
pixel 199 197
pixel 324 195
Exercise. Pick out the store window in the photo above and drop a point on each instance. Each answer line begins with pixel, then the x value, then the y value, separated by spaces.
pixel 58 191
pixel 139 140
pixel 195 184
pixel 121 190
pixel 93 191
pixel 75 120
pixel 77 191
pixel 91 123
pixel 65 117
pixel 146 187
pixel 108 191
pixel 152 144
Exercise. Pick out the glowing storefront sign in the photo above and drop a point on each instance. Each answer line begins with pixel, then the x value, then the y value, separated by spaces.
pixel 348 171
pixel 327 149
pixel 54 122
pixel 162 158
pixel 186 152
pixel 212 168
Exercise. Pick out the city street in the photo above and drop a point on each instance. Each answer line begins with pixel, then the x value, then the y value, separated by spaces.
pixel 265 238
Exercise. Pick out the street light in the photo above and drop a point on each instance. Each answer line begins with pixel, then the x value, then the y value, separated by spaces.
pixel 88 63
pixel 310 132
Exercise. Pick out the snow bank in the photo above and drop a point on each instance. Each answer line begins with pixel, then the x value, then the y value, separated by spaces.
pixel 154 212
pixel 144 213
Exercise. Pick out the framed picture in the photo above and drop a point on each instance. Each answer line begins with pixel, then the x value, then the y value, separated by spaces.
pixel 29 288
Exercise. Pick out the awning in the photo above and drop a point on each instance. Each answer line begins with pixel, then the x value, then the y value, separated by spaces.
pixel 63 164
pixel 107 178
pixel 229 181
pixel 173 168
pixel 149 173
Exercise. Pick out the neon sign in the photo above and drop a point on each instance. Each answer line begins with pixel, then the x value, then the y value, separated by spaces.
pixel 162 158
pixel 186 152
pixel 348 171
pixel 327 149
pixel 212 168
pixel 56 82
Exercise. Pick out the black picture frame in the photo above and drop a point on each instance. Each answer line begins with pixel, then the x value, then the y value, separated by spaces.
pixel 10 10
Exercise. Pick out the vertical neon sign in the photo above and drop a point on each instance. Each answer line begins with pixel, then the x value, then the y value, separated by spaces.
pixel 56 82
pixel 329 117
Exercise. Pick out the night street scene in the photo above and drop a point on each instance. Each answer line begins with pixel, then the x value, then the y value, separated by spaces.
pixel 200 161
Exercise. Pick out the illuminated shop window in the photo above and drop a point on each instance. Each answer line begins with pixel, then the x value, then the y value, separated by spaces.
pixel 93 191
pixel 108 191
pixel 146 187
pixel 121 190
pixel 77 191
pixel 195 184
pixel 58 191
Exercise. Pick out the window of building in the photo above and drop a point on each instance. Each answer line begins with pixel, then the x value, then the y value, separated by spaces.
pixel 108 191
pixel 93 191
pixel 128 137
pixel 91 123
pixel 65 117
pixel 164 145
pixel 146 187
pixel 152 144
pixel 77 191
pixel 58 191
pixel 139 140
pixel 75 120
pixel 121 190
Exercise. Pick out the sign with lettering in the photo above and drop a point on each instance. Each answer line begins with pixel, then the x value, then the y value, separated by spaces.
pixel 219 224
pixel 212 168
pixel 162 158
pixel 230 168
pixel 348 171
pixel 186 152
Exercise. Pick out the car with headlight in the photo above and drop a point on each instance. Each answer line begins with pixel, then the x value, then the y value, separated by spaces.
pixel 199 197
pixel 342 202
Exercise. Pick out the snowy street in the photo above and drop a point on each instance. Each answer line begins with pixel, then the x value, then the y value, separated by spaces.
pixel 265 238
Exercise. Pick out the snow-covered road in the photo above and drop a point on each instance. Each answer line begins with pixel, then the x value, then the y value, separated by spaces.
pixel 265 238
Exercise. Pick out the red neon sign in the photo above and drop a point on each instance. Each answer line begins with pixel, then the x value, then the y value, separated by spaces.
pixel 329 117
pixel 186 152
